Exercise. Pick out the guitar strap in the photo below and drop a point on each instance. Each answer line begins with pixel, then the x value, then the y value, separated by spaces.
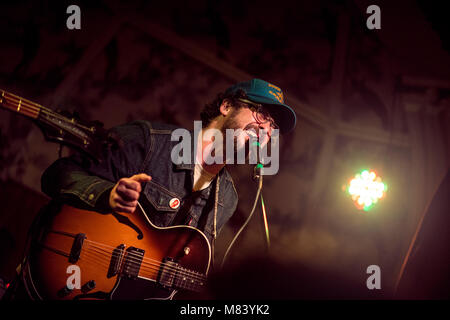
pixel 191 211
pixel 196 208
pixel 211 202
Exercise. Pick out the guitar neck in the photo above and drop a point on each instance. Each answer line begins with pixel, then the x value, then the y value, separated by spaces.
pixel 20 105
pixel 87 137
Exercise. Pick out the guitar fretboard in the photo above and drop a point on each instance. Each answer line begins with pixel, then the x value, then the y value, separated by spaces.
pixel 89 138
pixel 23 106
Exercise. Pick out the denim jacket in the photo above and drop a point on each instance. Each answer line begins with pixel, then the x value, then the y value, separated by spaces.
pixel 146 148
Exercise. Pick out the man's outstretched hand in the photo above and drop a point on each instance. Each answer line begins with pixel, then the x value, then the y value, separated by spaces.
pixel 125 194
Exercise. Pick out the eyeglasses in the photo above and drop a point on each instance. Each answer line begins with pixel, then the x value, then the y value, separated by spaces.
pixel 261 116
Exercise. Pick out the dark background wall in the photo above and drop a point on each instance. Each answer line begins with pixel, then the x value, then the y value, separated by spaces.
pixel 364 98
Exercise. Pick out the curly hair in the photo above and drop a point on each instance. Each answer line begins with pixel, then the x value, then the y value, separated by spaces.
pixel 212 110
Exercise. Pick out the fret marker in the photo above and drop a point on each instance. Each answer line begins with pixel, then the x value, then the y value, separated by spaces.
pixel 187 250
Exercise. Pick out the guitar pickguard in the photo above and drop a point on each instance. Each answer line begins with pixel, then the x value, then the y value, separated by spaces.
pixel 140 289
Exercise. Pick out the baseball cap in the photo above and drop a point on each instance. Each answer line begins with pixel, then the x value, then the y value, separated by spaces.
pixel 272 98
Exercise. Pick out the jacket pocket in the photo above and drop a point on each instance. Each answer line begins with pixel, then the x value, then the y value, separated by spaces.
pixel 161 198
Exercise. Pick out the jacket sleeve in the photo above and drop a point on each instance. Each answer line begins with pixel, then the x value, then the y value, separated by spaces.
pixel 81 181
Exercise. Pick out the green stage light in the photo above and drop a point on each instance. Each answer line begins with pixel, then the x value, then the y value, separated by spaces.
pixel 366 188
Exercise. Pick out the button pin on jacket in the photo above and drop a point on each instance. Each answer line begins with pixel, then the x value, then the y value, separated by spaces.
pixel 174 203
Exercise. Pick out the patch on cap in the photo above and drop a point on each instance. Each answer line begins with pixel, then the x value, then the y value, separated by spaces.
pixel 174 203
pixel 278 94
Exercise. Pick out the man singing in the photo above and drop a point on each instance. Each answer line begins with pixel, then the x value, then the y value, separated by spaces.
pixel 145 159
pixel 145 170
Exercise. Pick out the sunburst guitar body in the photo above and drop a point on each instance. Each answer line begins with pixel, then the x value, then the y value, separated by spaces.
pixel 83 254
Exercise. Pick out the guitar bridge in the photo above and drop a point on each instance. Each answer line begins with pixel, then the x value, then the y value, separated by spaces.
pixel 172 275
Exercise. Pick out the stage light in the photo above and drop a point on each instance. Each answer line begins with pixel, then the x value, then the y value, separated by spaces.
pixel 366 188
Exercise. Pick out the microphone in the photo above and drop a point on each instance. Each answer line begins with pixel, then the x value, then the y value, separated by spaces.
pixel 257 168
pixel 255 147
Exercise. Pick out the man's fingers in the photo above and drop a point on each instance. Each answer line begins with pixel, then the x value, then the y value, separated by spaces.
pixel 124 196
pixel 124 209
pixel 141 177
pixel 125 203
pixel 134 182
pixel 130 184
pixel 127 193
pixel 118 204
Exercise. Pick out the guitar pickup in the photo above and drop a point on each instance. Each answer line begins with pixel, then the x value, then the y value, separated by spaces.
pixel 132 262
pixel 167 272
pixel 76 247
pixel 116 259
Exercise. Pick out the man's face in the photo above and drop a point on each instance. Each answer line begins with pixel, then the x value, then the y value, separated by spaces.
pixel 247 119
pixel 250 123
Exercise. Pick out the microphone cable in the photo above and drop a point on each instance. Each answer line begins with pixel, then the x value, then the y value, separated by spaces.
pixel 256 174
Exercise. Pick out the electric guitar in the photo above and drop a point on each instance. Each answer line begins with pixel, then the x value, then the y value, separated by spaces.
pixel 82 254
pixel 88 137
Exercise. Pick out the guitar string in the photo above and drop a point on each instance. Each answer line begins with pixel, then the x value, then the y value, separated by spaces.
pixel 101 264
pixel 174 271
pixel 26 110
pixel 153 266
pixel 51 113
pixel 25 104
pixel 36 109
pixel 88 256
pixel 93 256
pixel 104 266
pixel 155 269
pixel 10 105
pixel 186 281
pixel 156 262
pixel 107 249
